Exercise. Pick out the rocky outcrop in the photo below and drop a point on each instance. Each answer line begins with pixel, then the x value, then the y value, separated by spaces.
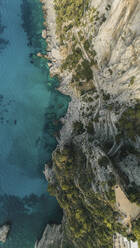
pixel 96 54
pixel 52 41
pixel 54 237
pixel 4 230
pixel 51 238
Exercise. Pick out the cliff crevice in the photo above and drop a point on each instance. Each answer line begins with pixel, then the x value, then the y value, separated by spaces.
pixel 94 47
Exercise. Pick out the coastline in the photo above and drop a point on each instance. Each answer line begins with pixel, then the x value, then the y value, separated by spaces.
pixel 54 55
pixel 53 52
pixel 74 111
pixel 55 234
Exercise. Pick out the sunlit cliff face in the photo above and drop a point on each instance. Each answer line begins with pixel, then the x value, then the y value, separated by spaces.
pixel 99 142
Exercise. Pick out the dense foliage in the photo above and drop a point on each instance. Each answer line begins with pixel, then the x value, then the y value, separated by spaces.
pixel 91 220
pixel 129 123
pixel 91 217
pixel 69 12
pixel 136 230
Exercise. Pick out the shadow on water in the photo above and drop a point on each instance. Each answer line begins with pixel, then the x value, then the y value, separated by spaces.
pixel 20 212
pixel 30 213
pixel 3 42
pixel 33 19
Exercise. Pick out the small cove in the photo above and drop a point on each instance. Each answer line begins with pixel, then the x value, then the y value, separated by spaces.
pixel 28 110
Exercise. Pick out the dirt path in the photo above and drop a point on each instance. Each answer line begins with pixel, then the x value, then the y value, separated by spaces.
pixel 130 210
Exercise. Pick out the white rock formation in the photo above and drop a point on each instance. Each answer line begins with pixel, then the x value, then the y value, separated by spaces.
pixel 4 232
pixel 51 237
pixel 116 40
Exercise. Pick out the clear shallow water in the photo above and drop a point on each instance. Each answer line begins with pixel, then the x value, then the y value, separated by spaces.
pixel 28 109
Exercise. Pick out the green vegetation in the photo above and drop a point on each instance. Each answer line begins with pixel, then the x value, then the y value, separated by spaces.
pixel 106 97
pixel 83 72
pixel 78 127
pixel 90 128
pixel 69 12
pixel 103 161
pixel 132 81
pixel 129 124
pixel 127 149
pixel 72 59
pixel 91 222
pixel 133 193
pixel 86 45
pixel 136 230
pixel 112 180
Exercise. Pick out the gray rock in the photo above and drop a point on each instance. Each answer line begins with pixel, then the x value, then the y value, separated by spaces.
pixel 115 37
pixel 53 237
pixel 4 230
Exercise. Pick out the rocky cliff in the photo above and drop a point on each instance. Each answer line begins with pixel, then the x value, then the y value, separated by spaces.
pixel 94 47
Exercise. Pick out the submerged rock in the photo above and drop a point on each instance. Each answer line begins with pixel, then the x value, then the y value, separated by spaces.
pixel 4 230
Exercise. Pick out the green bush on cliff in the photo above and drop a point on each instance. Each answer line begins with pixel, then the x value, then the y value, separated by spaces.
pixel 78 127
pixel 136 230
pixel 72 59
pixel 133 193
pixel 64 159
pixel 86 45
pixel 90 128
pixel 132 80
pixel 51 189
pixel 91 222
pixel 129 123
pixel 83 72
pixel 69 11
pixel 103 161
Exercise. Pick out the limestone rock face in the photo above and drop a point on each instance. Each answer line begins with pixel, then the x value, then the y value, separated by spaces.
pixel 52 41
pixel 117 45
pixel 4 232
pixel 101 128
pixel 53 237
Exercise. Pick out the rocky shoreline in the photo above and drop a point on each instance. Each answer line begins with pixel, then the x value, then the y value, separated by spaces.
pixel 96 121
pixel 53 235
pixel 51 39
pixel 55 57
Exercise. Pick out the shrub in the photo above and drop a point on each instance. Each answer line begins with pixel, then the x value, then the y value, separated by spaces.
pixel 78 127
pixel 90 128
pixel 103 161
pixel 129 123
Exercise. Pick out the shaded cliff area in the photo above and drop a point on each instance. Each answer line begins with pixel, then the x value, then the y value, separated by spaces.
pixel 94 48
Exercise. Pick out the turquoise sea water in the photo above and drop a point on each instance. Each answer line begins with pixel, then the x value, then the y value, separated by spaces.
pixel 29 110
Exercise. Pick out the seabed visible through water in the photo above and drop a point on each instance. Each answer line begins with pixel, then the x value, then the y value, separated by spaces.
pixel 28 111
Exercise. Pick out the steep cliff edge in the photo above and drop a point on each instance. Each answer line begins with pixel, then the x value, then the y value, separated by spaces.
pixel 94 47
